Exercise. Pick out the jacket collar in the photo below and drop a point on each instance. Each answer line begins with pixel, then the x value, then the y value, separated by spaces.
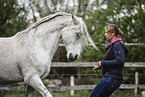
pixel 117 39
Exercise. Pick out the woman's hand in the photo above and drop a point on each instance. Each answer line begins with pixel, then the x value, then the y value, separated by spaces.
pixel 97 66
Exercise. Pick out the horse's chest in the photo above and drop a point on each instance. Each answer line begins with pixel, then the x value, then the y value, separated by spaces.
pixel 42 67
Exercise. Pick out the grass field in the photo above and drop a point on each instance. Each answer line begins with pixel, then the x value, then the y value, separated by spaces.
pixel 78 93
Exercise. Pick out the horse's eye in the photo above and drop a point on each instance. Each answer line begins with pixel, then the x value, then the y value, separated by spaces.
pixel 78 35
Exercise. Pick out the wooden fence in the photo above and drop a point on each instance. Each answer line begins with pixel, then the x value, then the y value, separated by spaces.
pixel 135 86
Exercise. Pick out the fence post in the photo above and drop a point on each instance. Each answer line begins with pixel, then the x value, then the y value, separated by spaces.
pixel 78 73
pixel 136 83
pixel 1 93
pixel 72 84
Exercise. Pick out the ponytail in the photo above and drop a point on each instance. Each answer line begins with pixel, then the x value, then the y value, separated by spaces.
pixel 120 33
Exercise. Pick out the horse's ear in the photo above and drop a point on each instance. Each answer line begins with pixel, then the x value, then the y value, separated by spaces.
pixel 75 19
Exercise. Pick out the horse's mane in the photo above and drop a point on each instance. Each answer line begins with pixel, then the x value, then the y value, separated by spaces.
pixel 49 17
pixel 45 19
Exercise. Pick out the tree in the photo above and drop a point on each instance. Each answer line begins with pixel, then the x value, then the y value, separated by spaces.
pixel 12 18
pixel 128 15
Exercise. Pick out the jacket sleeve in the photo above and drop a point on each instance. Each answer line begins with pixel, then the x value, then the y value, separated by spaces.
pixel 119 57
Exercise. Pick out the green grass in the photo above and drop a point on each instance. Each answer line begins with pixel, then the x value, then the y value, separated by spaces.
pixel 78 93
pixel 126 93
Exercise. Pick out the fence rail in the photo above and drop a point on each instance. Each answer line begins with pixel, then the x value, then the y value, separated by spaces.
pixel 76 87
pixel 135 86
pixel 130 44
pixel 91 64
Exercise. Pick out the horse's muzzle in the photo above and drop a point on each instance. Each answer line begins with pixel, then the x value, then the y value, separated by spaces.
pixel 72 58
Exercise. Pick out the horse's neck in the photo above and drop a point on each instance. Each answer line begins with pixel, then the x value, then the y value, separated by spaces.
pixel 45 38
pixel 44 44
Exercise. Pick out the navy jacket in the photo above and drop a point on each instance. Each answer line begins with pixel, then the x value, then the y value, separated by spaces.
pixel 113 60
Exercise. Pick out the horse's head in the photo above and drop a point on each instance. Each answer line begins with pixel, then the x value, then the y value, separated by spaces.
pixel 75 37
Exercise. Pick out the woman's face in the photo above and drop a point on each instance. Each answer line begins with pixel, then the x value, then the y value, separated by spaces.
pixel 108 35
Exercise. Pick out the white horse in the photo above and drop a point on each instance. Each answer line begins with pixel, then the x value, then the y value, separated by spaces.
pixel 27 55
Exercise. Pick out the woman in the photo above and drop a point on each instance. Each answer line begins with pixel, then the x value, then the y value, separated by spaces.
pixel 112 64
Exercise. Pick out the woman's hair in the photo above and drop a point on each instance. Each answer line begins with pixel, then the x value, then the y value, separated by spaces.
pixel 114 28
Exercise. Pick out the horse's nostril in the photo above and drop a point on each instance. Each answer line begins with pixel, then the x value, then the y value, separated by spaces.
pixel 76 57
pixel 70 56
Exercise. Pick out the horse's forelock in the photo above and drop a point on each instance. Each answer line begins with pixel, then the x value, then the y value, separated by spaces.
pixel 89 39
pixel 82 30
